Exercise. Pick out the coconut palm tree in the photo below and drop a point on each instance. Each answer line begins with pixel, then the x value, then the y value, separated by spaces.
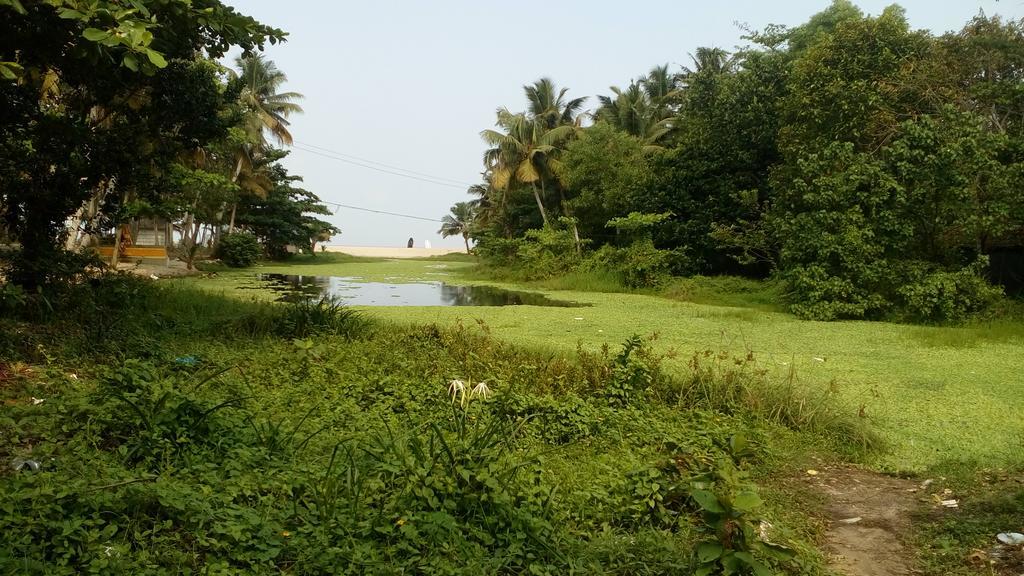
pixel 265 112
pixel 266 109
pixel 458 222
pixel 547 104
pixel 632 112
pixel 710 60
pixel 644 109
pixel 523 152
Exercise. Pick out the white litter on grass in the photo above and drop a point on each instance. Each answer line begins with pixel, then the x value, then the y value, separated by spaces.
pixel 816 359
pixel 1011 538
pixel 36 401
pixel 154 277
pixel 950 503
pixel 853 520
pixel 577 318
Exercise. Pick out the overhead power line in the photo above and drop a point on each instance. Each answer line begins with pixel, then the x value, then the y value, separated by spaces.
pixel 381 212
pixel 368 161
pixel 437 180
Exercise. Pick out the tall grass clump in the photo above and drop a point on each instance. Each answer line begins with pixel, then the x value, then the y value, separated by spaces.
pixel 739 385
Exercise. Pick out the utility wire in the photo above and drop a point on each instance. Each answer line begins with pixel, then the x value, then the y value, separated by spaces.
pixel 380 212
pixel 398 168
pixel 386 171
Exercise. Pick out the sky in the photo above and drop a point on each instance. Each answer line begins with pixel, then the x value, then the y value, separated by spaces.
pixel 406 87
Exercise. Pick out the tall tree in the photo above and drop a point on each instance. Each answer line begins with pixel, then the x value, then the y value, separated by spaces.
pixel 265 111
pixel 548 105
pixel 523 153
pixel 104 64
pixel 646 108
pixel 458 222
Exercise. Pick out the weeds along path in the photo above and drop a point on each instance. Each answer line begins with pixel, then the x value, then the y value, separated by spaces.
pixel 870 519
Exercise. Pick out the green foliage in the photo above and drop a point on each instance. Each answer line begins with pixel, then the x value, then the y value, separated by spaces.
pixel 639 265
pixel 239 250
pixel 121 101
pixel 306 317
pixel 943 296
pixel 866 165
pixel 872 234
pixel 237 451
pixel 633 372
pixel 285 216
pixel 548 252
pixel 739 540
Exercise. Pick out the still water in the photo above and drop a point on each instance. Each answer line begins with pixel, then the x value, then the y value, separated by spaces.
pixel 349 291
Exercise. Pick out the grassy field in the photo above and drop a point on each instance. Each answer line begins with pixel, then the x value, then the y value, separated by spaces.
pixel 941 396
pixel 176 431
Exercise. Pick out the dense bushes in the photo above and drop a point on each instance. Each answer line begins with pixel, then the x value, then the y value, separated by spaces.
pixel 239 250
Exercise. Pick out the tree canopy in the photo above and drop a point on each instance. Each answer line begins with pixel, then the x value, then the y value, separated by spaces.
pixel 874 169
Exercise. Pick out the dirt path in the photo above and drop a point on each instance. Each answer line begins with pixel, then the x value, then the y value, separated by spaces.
pixel 870 518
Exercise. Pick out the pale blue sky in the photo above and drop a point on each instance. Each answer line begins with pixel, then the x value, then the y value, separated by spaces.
pixel 411 84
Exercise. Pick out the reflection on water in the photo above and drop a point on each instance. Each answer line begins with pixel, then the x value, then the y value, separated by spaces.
pixel 355 293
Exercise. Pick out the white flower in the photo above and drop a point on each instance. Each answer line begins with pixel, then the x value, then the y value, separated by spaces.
pixel 481 390
pixel 457 390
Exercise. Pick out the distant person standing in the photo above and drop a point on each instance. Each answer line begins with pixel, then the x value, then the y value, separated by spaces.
pixel 410 244
pixel 426 244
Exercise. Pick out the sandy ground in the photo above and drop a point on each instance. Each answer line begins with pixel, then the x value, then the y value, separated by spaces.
pixel 385 252
pixel 150 268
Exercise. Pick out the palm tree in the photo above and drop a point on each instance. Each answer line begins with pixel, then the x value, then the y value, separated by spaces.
pixel 547 104
pixel 458 222
pixel 645 108
pixel 523 152
pixel 265 111
pixel 714 61
pixel 632 112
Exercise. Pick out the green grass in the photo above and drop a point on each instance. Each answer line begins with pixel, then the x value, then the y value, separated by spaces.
pixel 186 431
pixel 937 394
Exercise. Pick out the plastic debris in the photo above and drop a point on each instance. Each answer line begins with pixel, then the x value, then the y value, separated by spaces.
pixel 1011 538
pixel 812 472
pixel 817 359
pixel 578 318
pixel 927 483
pixel 23 465
pixel 36 401
pixel 950 503
pixel 154 277
pixel 189 360
pixel 853 520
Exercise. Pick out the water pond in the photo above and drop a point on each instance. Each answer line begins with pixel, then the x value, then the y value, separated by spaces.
pixel 351 291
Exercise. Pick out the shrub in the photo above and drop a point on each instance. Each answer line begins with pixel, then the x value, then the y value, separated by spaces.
pixel 498 252
pixel 941 295
pixel 239 250
pixel 640 265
